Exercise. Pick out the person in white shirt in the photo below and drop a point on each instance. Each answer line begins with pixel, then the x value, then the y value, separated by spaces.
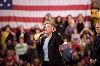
pixel 21 49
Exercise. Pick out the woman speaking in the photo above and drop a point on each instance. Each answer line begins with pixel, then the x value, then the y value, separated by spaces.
pixel 48 47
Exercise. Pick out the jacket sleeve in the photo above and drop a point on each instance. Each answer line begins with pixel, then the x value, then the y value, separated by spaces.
pixel 59 39
pixel 93 49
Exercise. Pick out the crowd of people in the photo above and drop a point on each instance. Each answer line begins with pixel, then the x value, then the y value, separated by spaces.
pixel 19 47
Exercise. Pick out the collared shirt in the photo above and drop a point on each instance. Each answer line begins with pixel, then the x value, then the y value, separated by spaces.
pixel 45 48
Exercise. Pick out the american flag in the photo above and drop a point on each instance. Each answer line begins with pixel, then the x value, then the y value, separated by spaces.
pixel 31 12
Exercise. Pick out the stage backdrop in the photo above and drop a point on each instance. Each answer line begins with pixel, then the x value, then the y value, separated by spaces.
pixel 31 12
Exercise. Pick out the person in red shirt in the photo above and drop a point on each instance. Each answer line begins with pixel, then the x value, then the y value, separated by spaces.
pixel 76 53
pixel 75 45
pixel 9 58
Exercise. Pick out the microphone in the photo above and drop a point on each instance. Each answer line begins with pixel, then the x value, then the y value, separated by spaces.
pixel 37 36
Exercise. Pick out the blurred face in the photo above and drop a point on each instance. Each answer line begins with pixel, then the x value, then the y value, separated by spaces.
pixel 9 53
pixel 31 37
pixel 38 31
pixel 21 40
pixel 21 28
pixel 8 29
pixel 94 4
pixel 36 61
pixel 75 30
pixel 69 17
pixel 80 17
pixel 65 40
pixel 48 29
pixel 84 36
pixel 12 52
pixel 97 28
pixel 28 64
pixel 48 16
pixel 59 19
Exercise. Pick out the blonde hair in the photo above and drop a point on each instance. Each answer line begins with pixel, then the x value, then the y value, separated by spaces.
pixel 52 22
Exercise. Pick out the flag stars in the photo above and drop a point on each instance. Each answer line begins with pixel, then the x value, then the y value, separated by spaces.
pixel 8 4
pixel 5 4
pixel 1 4
pixel 5 0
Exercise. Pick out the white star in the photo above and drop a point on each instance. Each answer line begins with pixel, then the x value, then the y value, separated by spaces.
pixel 1 4
pixel 8 4
pixel 5 0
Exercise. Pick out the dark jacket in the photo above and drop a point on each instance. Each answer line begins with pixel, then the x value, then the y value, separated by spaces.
pixel 55 58
pixel 95 54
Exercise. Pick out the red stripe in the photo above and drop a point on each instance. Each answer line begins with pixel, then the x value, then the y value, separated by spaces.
pixel 46 8
pixel 15 29
pixel 20 19
pixel 27 19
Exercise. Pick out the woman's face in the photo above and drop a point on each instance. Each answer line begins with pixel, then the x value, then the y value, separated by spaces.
pixel 75 30
pixel 69 17
pixel 84 36
pixel 48 16
pixel 21 40
pixel 21 28
pixel 58 19
pixel 38 31
pixel 48 29
pixel 31 37
pixel 8 29
pixel 9 53
pixel 80 17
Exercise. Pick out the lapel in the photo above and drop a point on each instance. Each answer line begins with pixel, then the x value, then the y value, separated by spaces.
pixel 51 40
pixel 42 41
